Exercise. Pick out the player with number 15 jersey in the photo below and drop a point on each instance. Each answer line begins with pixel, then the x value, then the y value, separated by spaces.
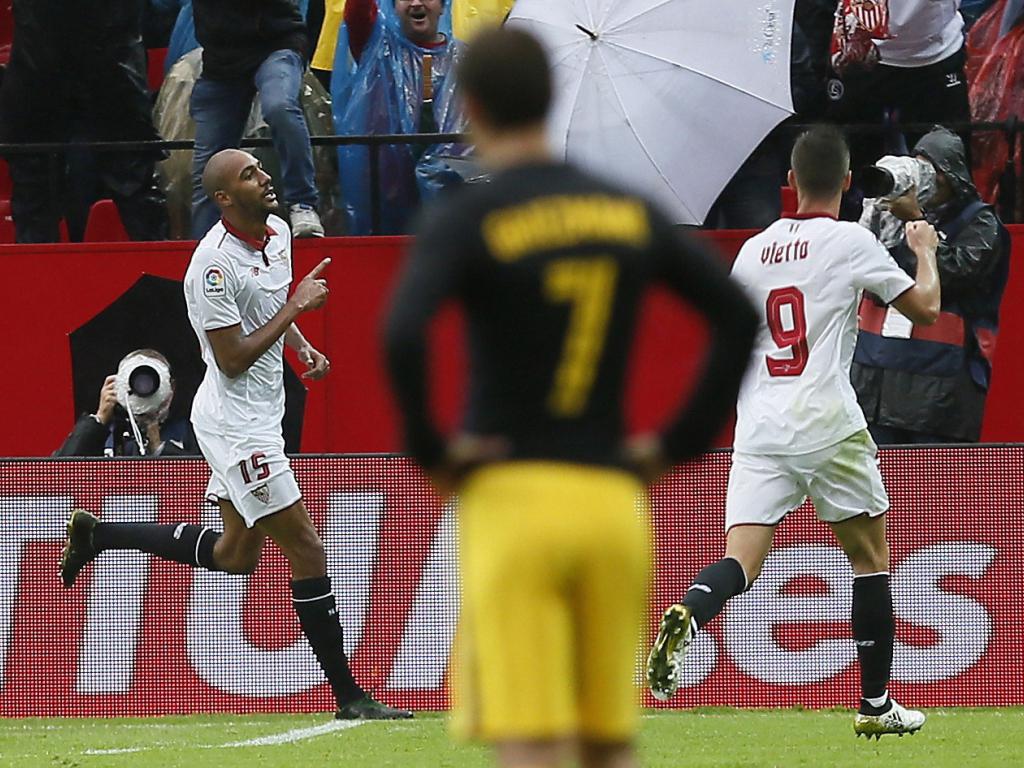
pixel 236 291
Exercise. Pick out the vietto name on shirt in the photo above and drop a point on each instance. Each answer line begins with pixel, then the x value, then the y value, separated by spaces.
pixel 778 253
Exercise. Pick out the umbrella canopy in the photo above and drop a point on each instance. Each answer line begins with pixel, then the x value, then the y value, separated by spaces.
pixel 666 96
pixel 152 314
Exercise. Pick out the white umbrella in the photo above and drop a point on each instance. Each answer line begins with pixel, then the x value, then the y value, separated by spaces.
pixel 667 96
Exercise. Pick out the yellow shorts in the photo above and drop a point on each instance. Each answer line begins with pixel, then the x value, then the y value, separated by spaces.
pixel 555 568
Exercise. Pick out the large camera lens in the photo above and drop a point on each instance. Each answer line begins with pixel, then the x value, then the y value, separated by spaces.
pixel 143 381
pixel 876 181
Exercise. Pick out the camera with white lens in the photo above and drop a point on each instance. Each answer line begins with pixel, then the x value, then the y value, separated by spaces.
pixel 894 176
pixel 891 177
pixel 143 386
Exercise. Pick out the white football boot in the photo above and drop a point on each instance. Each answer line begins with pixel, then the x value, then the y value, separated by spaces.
pixel 896 719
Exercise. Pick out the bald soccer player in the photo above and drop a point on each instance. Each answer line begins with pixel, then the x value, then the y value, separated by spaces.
pixel 236 289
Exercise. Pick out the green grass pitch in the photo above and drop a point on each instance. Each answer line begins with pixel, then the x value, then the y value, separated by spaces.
pixel 723 738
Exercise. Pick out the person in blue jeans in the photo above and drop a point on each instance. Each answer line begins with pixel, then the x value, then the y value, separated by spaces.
pixel 249 50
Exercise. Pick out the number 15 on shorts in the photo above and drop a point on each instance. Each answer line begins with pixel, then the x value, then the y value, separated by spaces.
pixel 255 468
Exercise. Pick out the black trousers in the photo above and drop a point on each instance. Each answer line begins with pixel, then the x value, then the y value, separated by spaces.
pixel 936 93
pixel 97 94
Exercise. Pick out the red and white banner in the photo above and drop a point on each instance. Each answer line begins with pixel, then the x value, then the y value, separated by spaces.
pixel 140 636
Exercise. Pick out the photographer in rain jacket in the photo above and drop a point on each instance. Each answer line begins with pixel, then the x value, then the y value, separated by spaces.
pixel 928 385
pixel 107 431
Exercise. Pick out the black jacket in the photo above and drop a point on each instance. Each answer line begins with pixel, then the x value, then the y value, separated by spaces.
pixel 89 438
pixel 237 35
pixel 972 272
pixel 80 62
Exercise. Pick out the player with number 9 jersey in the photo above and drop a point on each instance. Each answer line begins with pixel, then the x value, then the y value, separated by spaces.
pixel 800 432
pixel 805 275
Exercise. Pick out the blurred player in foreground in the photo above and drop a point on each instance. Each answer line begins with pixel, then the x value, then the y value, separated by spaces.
pixel 550 266
pixel 799 430
pixel 236 290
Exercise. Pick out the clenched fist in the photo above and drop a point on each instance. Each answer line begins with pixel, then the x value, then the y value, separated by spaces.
pixel 922 236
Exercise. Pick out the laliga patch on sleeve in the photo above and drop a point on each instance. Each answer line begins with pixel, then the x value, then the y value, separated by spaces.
pixel 213 281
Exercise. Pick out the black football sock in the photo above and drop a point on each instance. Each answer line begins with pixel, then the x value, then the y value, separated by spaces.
pixel 713 587
pixel 313 601
pixel 874 629
pixel 179 542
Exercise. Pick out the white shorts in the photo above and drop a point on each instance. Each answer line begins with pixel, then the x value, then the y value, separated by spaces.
pixel 842 480
pixel 257 486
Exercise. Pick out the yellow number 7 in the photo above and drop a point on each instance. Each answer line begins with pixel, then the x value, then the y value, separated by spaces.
pixel 588 284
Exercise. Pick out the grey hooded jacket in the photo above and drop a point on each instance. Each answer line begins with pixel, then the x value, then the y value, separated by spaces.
pixel 972 265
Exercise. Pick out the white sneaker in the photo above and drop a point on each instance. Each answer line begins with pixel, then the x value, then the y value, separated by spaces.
pixel 896 719
pixel 675 634
pixel 305 221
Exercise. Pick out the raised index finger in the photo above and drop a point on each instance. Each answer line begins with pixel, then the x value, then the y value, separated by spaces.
pixel 319 268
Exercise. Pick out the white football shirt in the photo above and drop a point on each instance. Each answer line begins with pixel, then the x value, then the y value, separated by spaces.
pixel 805 276
pixel 923 32
pixel 230 281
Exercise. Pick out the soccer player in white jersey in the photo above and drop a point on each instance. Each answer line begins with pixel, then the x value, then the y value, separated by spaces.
pixel 236 290
pixel 799 430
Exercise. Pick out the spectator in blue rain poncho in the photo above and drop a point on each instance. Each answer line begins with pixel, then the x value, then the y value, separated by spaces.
pixel 380 87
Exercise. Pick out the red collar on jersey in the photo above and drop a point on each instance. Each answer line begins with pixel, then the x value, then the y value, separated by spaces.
pixel 257 245
pixel 811 215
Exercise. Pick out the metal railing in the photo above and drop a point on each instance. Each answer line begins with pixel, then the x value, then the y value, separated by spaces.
pixel 1012 195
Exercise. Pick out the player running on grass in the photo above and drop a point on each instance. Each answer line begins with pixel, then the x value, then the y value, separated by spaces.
pixel 799 430
pixel 236 290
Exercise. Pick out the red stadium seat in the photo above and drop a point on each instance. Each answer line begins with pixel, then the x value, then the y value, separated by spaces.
pixel 6 30
pixel 788 197
pixel 7 233
pixel 6 223
pixel 104 224
pixel 155 58
pixel 5 181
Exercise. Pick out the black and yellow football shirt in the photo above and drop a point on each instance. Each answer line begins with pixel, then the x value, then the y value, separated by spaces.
pixel 551 266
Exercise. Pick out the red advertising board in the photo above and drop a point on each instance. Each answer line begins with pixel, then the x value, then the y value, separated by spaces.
pixel 56 289
pixel 139 636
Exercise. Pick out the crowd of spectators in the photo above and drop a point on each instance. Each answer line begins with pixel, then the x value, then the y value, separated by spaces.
pixel 78 73
pixel 81 75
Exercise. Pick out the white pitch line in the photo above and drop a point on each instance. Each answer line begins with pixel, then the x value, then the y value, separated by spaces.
pixel 297 734
pixel 287 737
pixel 123 751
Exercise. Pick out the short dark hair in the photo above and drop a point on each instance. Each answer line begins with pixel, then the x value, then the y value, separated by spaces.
pixel 821 160
pixel 505 71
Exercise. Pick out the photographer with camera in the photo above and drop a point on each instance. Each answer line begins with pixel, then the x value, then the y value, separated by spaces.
pixel 928 385
pixel 131 414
